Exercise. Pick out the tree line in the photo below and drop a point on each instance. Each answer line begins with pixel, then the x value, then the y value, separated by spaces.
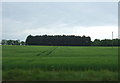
pixel 12 42
pixel 106 42
pixel 62 40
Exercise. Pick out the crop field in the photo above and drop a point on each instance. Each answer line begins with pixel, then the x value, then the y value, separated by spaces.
pixel 59 63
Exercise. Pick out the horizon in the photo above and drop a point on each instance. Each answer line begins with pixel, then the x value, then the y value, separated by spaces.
pixel 61 35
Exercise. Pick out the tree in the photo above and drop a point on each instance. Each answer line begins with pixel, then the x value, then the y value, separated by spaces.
pixel 58 40
pixel 22 43
pixel 10 42
pixel 4 42
pixel 96 42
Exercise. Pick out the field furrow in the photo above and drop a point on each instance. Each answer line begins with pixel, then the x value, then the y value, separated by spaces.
pixel 45 62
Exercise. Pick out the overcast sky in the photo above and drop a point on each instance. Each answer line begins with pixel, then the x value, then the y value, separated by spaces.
pixel 94 19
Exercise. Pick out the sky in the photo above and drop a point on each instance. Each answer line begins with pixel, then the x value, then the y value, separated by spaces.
pixel 95 19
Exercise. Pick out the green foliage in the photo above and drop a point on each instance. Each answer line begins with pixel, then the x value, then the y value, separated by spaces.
pixel 12 42
pixel 106 42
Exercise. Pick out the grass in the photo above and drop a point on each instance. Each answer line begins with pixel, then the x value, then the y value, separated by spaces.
pixel 59 63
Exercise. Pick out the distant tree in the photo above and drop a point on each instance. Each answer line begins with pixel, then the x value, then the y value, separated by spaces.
pixel 10 42
pixel 22 43
pixel 96 42
pixel 106 42
pixel 17 42
pixel 116 42
pixel 4 42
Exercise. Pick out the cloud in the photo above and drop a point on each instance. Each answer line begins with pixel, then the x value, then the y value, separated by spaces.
pixel 13 29
pixel 96 20
pixel 83 14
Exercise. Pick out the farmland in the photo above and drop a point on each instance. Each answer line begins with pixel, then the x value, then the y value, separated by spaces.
pixel 59 63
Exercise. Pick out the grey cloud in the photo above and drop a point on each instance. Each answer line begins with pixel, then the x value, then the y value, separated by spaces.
pixel 21 17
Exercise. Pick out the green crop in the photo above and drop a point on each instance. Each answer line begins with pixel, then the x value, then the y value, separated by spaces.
pixel 69 61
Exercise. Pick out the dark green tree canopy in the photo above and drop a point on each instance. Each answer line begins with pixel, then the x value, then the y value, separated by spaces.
pixel 58 40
